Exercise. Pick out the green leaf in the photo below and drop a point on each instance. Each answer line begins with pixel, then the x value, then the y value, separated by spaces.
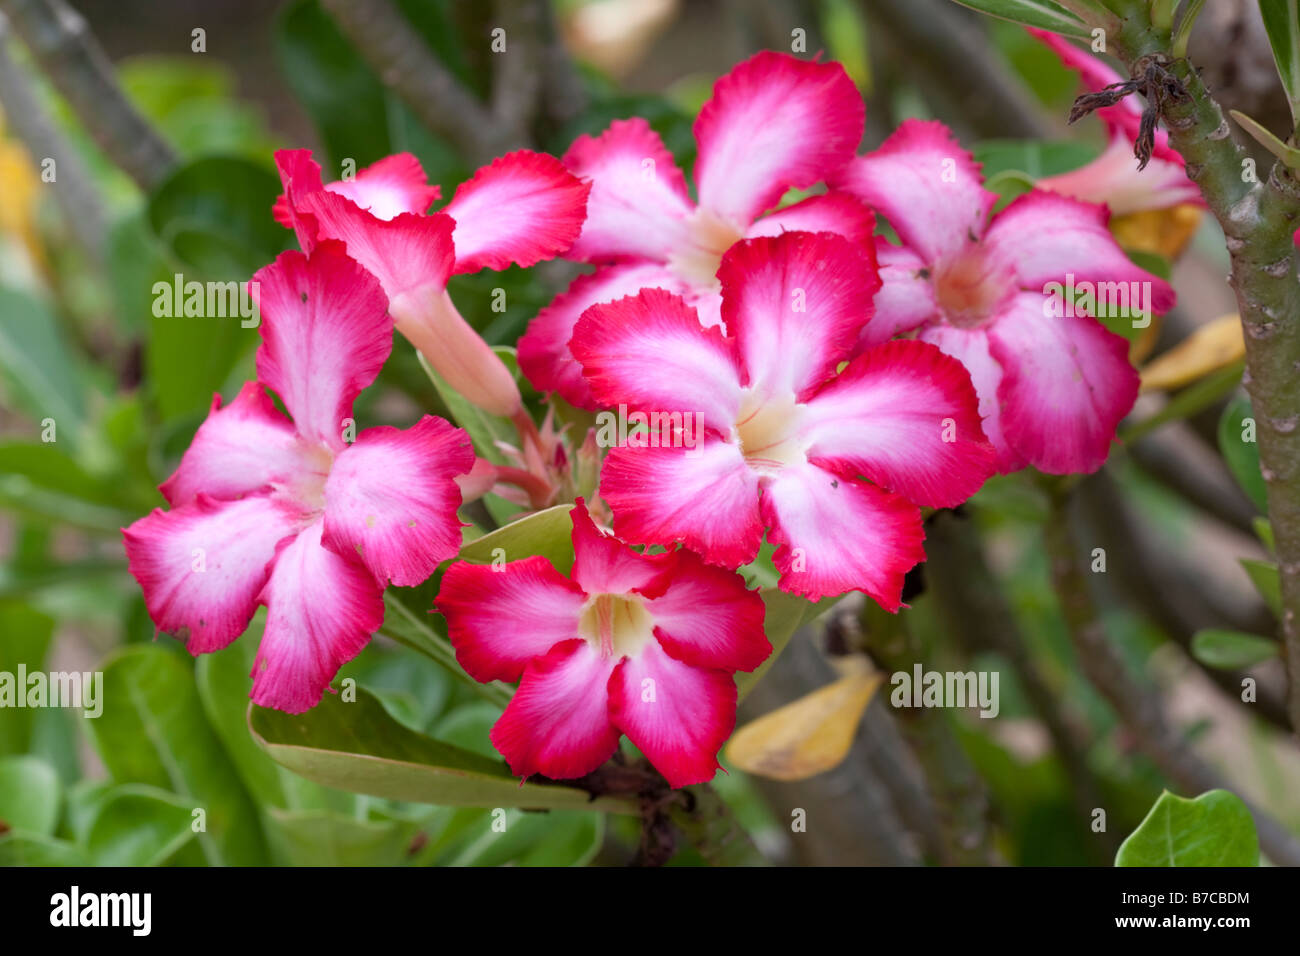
pixel 1215 829
pixel 558 838
pixel 1242 456
pixel 1289 155
pixel 136 825
pixel 1031 158
pixel 25 849
pixel 29 795
pixel 1033 13
pixel 1282 23
pixel 214 215
pixel 326 838
pixel 358 746
pixel 153 731
pixel 38 366
pixel 547 533
pixel 1264 531
pixel 1231 650
pixel 27 634
pixel 485 430
pixel 786 613
pixel 1263 574
pixel 1188 402
pixel 343 97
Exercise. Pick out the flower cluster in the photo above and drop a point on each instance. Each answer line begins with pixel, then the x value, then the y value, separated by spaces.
pixel 840 381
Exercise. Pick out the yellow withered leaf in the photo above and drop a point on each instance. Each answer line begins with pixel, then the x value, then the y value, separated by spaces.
pixel 1213 346
pixel 1161 232
pixel 810 735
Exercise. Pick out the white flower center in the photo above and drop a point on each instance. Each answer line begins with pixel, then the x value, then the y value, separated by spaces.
pixel 768 430
pixel 710 236
pixel 617 625
pixel 970 289
pixel 306 486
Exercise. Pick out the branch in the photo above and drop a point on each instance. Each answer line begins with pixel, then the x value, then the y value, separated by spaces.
pixel 402 60
pixel 709 826
pixel 83 213
pixel 62 43
pixel 950 59
pixel 1258 220
pixel 1138 707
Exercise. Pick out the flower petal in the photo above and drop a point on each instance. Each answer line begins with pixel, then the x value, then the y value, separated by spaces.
pixel 906 297
pixel 638 204
pixel 403 253
pixel 544 355
pixel 522 208
pixel 705 498
pixel 392 498
pixel 839 534
pixel 239 449
pixel 836 212
pixel 201 566
pixel 926 185
pixel 679 716
pixel 300 177
pixel 325 335
pixel 650 352
pixel 389 187
pixel 1067 382
pixel 501 616
pixel 971 348
pixel 774 122
pixel 706 617
pixel 321 609
pixel 1049 238
pixel 1114 179
pixel 604 565
pixel 795 304
pixel 905 416
pixel 557 723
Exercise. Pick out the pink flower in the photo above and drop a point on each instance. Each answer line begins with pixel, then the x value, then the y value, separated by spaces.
pixel 1113 177
pixel 774 122
pixel 1053 383
pixel 832 463
pixel 522 208
pixel 285 513
pixel 635 644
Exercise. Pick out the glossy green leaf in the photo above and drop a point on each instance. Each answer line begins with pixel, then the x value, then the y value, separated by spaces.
pixel 358 746
pixel 547 533
pixel 1242 455
pixel 30 795
pixel 1231 650
pixel 25 849
pixel 153 731
pixel 786 613
pixel 1032 158
pixel 26 640
pixel 1282 24
pixel 136 825
pixel 37 367
pixel 1215 829
pixel 557 838
pixel 327 838
pixel 1032 13
pixel 1263 574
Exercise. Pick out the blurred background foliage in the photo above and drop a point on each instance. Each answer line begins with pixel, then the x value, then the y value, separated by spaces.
pixel 79 344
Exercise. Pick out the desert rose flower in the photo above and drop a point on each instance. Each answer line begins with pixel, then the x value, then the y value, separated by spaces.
pixel 773 123
pixel 1113 177
pixel 628 643
pixel 832 462
pixel 1053 382
pixel 287 514
pixel 522 208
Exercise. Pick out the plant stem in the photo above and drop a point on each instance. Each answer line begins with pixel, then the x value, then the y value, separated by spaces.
pixel 711 828
pixel 1138 707
pixel 62 43
pixel 1258 220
